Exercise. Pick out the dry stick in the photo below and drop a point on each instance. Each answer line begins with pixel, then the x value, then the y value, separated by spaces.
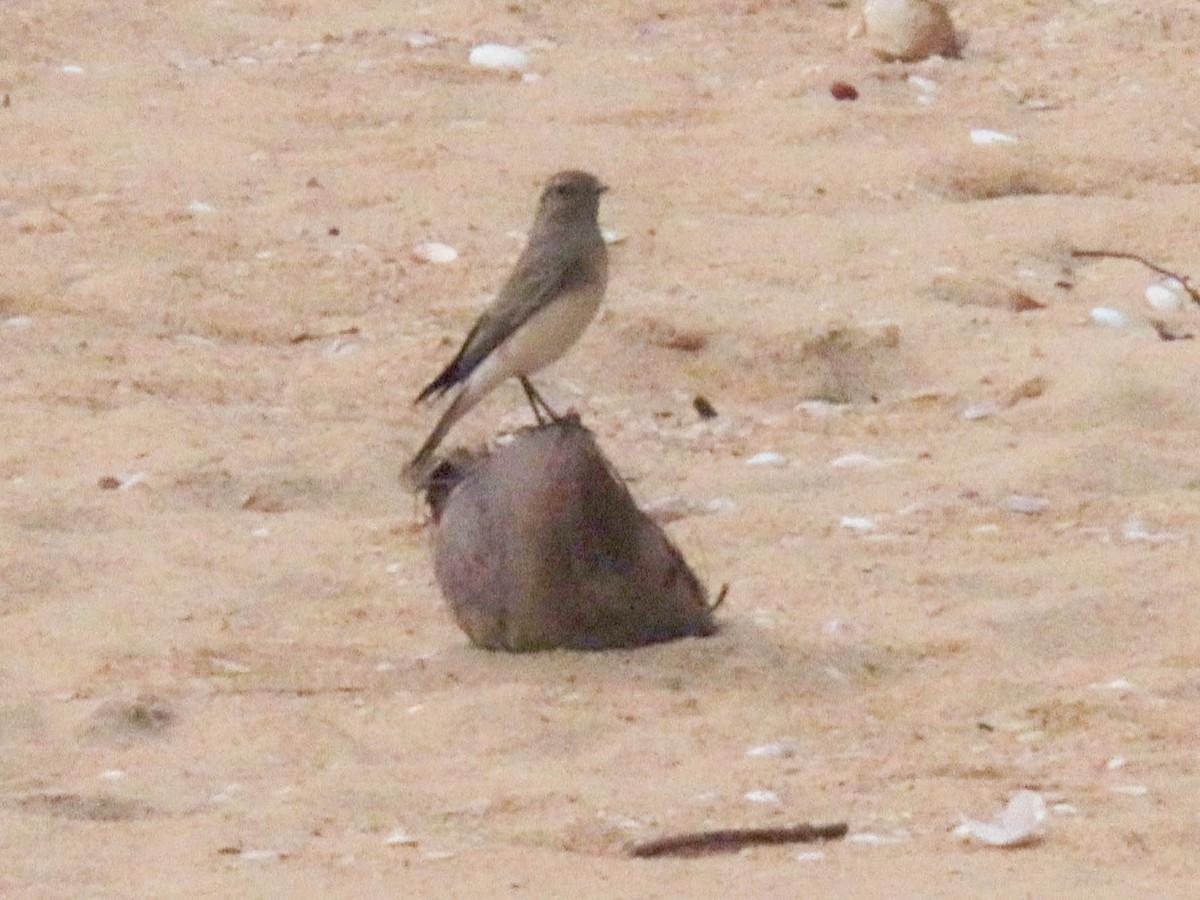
pixel 733 839
pixel 1118 254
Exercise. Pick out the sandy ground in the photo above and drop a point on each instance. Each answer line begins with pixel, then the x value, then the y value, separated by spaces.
pixel 233 675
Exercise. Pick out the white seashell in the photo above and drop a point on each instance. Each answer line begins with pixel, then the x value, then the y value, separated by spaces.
pixel 1113 318
pixel 19 321
pixel 858 523
pixel 1131 790
pixel 987 136
pixel 809 856
pixel 767 458
pixel 400 838
pixel 73 70
pixel 924 85
pixel 1165 297
pixel 199 207
pixel 856 461
pixel 980 410
pixel 1019 825
pixel 906 30
pixel 776 750
pixel 612 237
pixel 1024 504
pixel 872 839
pixel 1117 762
pixel 498 56
pixel 260 855
pixel 434 252
pixel 762 797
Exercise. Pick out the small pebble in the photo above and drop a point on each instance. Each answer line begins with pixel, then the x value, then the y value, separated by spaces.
pixel 843 90
pixel 498 56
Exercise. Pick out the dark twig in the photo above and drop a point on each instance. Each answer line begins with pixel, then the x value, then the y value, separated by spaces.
pixel 734 839
pixel 1184 280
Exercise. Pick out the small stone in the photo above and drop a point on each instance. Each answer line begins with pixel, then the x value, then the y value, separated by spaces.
pixel 843 90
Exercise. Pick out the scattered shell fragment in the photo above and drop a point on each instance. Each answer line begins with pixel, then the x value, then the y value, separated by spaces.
pixel 906 30
pixel 775 750
pixel 980 410
pixel 986 136
pixel 498 56
pixel 856 461
pixel 767 458
pixel 73 69
pixel 872 839
pixel 199 207
pixel 1131 790
pixel 1103 315
pixel 1020 825
pixel 858 523
pixel 762 797
pixel 434 252
pixel 1025 504
pixel 1166 296
pixel 612 236
pixel 400 838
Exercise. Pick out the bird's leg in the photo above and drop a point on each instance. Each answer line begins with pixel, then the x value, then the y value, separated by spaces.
pixel 538 403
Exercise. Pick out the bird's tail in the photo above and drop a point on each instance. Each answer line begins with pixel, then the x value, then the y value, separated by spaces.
pixel 416 473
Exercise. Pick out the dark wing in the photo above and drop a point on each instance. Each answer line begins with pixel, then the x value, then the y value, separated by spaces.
pixel 537 277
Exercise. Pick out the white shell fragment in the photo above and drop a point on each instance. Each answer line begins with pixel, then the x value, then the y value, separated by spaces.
pixel 858 523
pixel 1024 504
pixel 987 136
pixel 906 30
pixel 1020 825
pixel 774 750
pixel 1167 296
pixel 856 461
pixel 400 838
pixel 767 458
pixel 434 252
pixel 498 56
pixel 1103 315
pixel 762 797
pixel 980 410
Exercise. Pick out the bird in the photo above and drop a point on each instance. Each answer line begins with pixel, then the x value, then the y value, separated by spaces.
pixel 549 299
